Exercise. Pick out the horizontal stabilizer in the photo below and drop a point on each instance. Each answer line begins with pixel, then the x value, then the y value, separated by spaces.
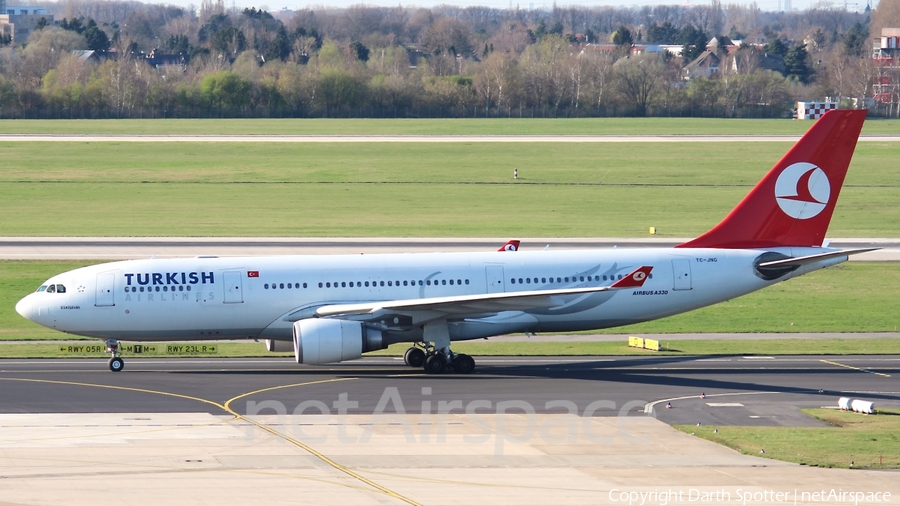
pixel 809 259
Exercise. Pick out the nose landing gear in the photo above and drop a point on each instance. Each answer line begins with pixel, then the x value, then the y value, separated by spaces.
pixel 116 363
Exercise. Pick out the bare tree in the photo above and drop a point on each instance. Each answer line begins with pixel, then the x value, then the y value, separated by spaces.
pixel 598 72
pixel 543 72
pixel 511 37
pixel 497 74
pixel 44 50
pixel 638 81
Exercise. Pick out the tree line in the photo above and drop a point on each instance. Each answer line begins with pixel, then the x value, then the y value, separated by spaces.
pixel 166 61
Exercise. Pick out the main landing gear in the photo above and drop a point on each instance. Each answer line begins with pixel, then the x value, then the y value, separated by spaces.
pixel 433 353
pixel 436 361
pixel 116 363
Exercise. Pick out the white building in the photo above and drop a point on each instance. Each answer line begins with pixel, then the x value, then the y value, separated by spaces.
pixel 17 22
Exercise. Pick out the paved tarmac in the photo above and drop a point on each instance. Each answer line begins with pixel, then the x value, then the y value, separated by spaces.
pixel 777 386
pixel 420 138
pixel 535 430
pixel 117 248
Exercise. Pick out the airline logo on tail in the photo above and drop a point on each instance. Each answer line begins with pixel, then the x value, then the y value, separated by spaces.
pixel 634 279
pixel 806 183
pixel 802 190
pixel 512 245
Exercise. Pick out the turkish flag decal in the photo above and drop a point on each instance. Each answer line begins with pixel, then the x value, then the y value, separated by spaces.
pixel 252 274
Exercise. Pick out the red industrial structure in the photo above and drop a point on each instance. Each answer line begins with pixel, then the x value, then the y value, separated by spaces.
pixel 886 60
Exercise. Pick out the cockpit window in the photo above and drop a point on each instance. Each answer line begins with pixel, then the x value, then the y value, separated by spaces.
pixel 52 288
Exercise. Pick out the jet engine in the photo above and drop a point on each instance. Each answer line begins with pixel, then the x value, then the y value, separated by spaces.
pixel 321 341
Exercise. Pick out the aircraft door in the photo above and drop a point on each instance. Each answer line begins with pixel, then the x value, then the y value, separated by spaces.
pixel 106 286
pixel 681 270
pixel 494 274
pixel 234 293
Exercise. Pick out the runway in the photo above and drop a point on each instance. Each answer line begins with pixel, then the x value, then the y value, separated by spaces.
pixel 771 389
pixel 421 138
pixel 120 248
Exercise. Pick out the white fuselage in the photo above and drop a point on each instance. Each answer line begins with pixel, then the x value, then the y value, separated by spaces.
pixel 208 298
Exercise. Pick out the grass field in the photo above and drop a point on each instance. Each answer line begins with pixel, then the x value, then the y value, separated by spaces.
pixel 851 297
pixel 529 126
pixel 405 190
pixel 868 442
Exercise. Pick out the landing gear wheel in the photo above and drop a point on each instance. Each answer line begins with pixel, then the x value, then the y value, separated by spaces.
pixel 414 357
pixel 435 364
pixel 116 364
pixel 464 364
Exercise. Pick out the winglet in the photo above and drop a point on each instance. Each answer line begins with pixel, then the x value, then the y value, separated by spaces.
pixel 634 279
pixel 511 245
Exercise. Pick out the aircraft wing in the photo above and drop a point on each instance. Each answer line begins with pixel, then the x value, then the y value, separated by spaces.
pixel 484 302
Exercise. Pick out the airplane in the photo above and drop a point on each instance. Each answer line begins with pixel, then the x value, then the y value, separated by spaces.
pixel 333 308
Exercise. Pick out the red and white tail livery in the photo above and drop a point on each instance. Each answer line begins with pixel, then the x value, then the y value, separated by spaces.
pixel 511 245
pixel 793 204
pixel 335 308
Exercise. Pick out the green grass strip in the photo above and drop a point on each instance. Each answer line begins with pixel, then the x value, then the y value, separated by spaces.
pixel 865 441
pixel 513 126
pixel 408 190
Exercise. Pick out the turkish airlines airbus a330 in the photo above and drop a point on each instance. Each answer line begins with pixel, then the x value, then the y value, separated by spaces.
pixel 334 308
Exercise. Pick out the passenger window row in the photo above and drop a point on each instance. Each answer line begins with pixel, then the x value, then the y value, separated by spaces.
pixel 574 279
pixel 181 288
pixel 282 286
pixel 361 284
pixel 368 284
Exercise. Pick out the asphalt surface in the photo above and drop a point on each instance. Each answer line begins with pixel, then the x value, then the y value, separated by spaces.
pixel 739 390
pixel 420 138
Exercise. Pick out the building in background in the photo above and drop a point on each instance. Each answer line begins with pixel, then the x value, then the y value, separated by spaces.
pixel 4 21
pixel 886 60
pixel 17 22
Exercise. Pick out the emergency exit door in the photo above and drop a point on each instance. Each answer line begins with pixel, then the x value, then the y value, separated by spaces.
pixel 494 274
pixel 234 293
pixel 681 269
pixel 106 286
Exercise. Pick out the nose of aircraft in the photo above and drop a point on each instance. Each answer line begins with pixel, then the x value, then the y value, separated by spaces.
pixel 24 307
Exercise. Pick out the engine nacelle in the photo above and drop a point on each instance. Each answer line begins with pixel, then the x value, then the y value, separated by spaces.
pixel 279 346
pixel 322 341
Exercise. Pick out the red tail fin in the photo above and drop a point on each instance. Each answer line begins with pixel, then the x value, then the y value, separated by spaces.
pixel 511 245
pixel 793 204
